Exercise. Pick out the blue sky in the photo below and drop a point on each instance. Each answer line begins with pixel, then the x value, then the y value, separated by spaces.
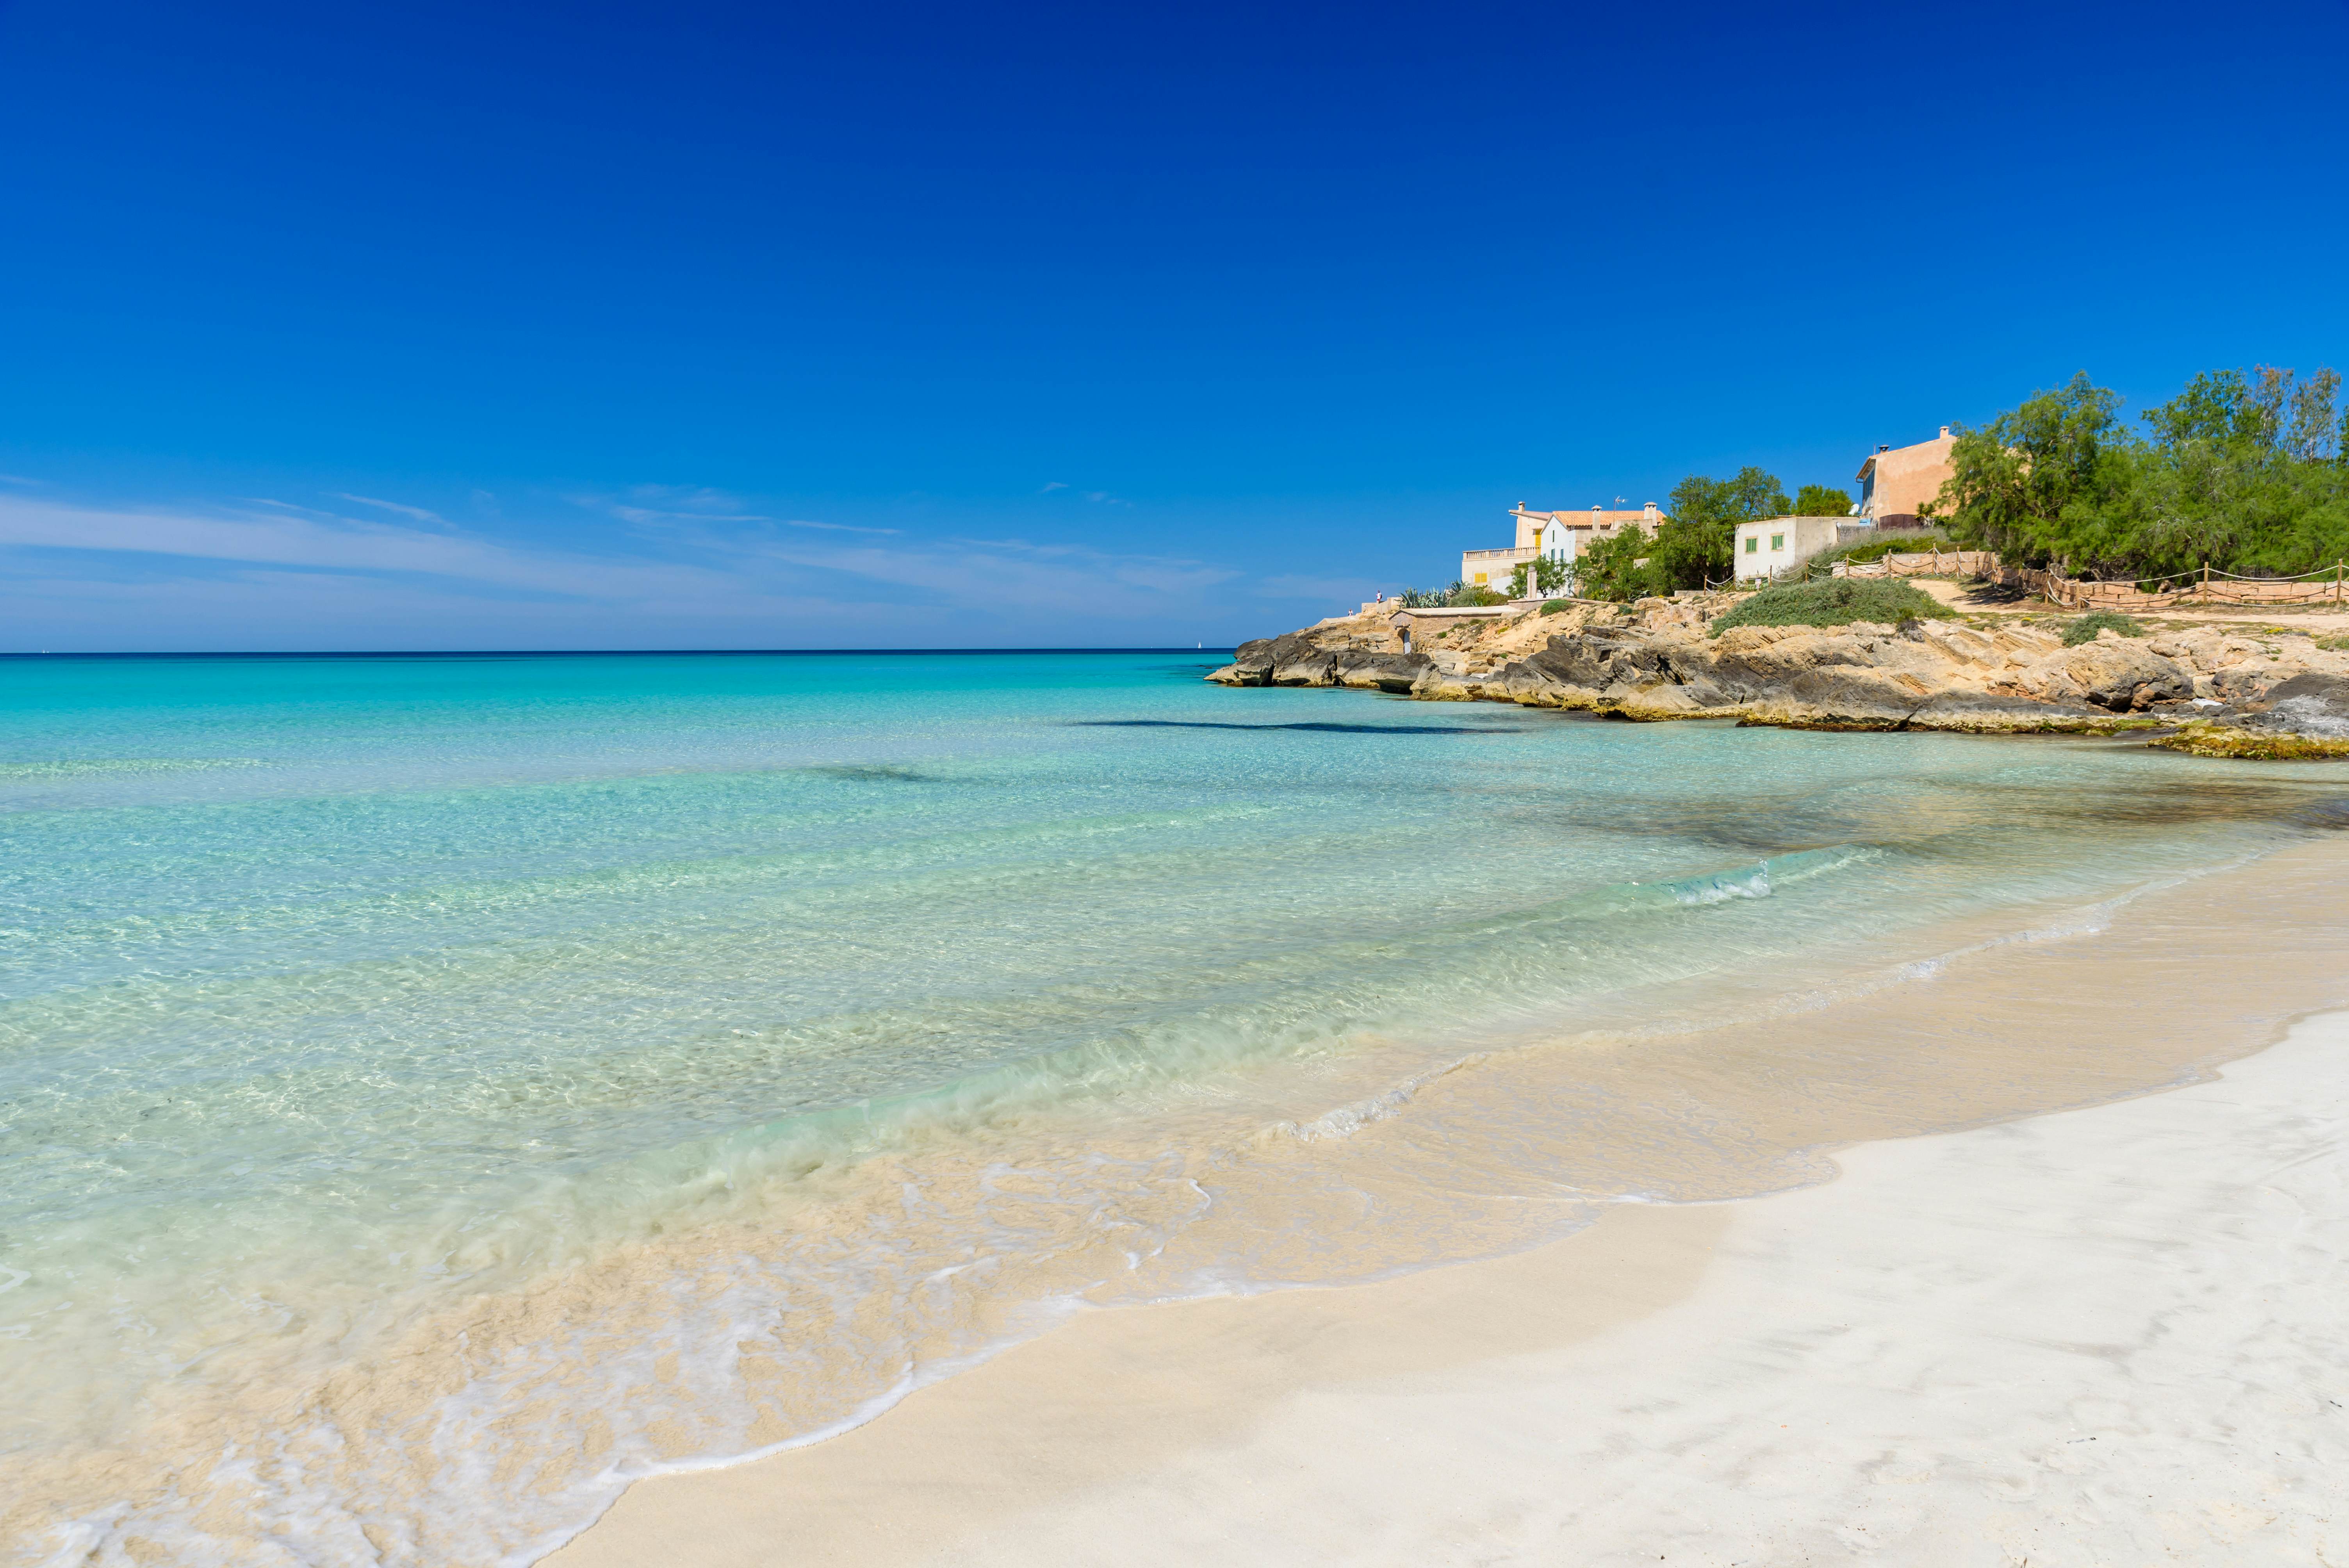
pixel 437 325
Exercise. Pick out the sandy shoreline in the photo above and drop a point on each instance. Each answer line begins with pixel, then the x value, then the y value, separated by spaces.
pixel 2110 1334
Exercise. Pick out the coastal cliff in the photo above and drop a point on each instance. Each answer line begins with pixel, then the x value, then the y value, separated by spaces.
pixel 2214 689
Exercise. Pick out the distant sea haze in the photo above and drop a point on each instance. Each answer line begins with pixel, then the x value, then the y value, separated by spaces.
pixel 440 1088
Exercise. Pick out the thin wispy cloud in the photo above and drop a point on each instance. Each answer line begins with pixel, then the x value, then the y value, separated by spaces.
pixel 275 539
pixel 688 498
pixel 1099 498
pixel 648 514
pixel 654 517
pixel 402 508
pixel 274 564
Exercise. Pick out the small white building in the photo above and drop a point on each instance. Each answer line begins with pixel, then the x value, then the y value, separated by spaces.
pixel 1772 544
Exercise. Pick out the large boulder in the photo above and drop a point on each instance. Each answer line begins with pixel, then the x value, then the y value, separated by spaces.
pixel 2120 676
pixel 1251 666
pixel 1616 673
pixel 1381 672
pixel 1297 660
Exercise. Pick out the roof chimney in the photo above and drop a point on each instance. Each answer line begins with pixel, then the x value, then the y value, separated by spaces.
pixel 1945 432
pixel 1884 446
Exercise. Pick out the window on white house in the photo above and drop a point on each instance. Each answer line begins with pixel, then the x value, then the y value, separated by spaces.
pixel 1777 542
pixel 1752 543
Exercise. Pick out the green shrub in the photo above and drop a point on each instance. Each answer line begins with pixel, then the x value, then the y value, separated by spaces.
pixel 1873 550
pixel 1545 573
pixel 1620 569
pixel 1900 544
pixel 1836 602
pixel 1460 595
pixel 2085 628
pixel 2333 644
pixel 1554 606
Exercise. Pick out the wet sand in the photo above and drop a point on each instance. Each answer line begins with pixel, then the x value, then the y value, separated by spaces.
pixel 2106 1333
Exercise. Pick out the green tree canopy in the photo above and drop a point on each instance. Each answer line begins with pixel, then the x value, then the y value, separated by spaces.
pixel 2033 480
pixel 1694 546
pixel 2242 472
pixel 1822 500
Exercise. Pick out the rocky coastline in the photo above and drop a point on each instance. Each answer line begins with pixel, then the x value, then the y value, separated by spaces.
pixel 2253 690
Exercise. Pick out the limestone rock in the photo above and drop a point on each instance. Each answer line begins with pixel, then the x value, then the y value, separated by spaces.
pixel 1380 672
pixel 1251 666
pixel 1654 660
pixel 2119 676
pixel 1297 660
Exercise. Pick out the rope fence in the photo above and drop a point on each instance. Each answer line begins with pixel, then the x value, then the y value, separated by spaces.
pixel 1922 563
pixel 2208 586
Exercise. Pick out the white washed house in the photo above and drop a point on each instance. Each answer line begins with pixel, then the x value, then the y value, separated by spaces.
pixel 1773 543
pixel 1559 536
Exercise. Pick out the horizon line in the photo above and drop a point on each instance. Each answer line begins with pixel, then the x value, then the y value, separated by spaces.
pixel 570 653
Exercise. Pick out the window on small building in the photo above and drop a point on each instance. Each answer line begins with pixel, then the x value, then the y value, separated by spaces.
pixel 1480 579
pixel 1777 542
pixel 1752 543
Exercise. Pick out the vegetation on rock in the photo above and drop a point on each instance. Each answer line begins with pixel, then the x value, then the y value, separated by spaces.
pixel 1459 595
pixel 2201 739
pixel 2085 628
pixel 1835 602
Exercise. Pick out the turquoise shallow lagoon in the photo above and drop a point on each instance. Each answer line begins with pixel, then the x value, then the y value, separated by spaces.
pixel 635 1060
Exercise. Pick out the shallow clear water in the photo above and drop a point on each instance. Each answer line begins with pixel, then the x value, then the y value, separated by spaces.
pixel 338 996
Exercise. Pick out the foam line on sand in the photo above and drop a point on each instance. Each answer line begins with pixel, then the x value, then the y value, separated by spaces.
pixel 2114 1335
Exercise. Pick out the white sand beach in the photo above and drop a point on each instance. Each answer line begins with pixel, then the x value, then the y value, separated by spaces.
pixel 2117 1335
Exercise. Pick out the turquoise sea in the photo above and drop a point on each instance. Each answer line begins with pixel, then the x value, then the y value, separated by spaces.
pixel 434 1091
